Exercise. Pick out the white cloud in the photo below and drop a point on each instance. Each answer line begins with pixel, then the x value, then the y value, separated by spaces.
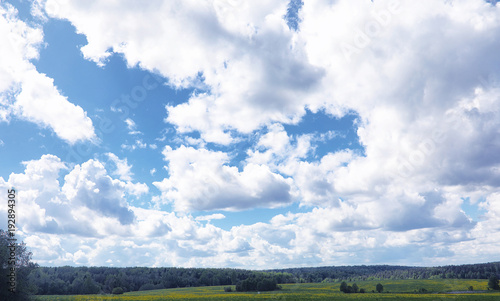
pixel 28 94
pixel 136 189
pixel 138 144
pixel 123 170
pixel 132 127
pixel 404 127
pixel 89 202
pixel 39 101
pixel 38 182
pixel 202 180
pixel 374 196
pixel 210 217
pixel 315 180
pixel 90 186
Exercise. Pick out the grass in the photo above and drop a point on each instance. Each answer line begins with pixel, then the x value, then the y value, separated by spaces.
pixel 394 290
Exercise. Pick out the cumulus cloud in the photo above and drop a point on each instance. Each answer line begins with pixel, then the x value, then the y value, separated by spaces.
pixel 201 180
pixel 138 144
pixel 89 185
pixel 29 95
pixel 38 182
pixel 132 127
pixel 410 127
pixel 364 195
pixel 88 202
pixel 40 102
pixel 123 170
pixel 210 217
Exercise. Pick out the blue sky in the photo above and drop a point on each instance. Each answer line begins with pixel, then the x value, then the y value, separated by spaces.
pixel 232 133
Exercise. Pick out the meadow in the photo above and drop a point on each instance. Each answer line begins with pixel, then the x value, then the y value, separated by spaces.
pixel 438 289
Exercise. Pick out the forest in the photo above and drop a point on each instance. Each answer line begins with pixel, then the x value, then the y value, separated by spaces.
pixel 92 280
pixel 376 272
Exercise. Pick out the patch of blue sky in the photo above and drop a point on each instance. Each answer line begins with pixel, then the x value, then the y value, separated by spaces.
pixel 292 14
pixel 24 141
pixel 98 89
pixel 331 134
pixel 236 151
pixel 23 8
pixel 472 210
pixel 251 216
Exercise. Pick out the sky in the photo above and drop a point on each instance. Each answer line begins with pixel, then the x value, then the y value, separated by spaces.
pixel 252 134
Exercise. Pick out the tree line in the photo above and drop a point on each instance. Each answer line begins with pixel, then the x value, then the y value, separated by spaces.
pixel 258 283
pixel 383 272
pixel 89 280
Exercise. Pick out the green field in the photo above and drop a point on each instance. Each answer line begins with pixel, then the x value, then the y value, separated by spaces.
pixel 394 290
